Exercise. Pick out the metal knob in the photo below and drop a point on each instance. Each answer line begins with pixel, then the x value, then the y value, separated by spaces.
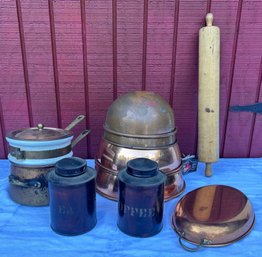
pixel 40 126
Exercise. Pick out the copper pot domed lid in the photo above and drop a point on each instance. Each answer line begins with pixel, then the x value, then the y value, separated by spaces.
pixel 42 133
pixel 39 133
pixel 215 215
pixel 140 119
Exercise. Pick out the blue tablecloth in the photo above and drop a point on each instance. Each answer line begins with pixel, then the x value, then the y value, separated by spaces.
pixel 25 231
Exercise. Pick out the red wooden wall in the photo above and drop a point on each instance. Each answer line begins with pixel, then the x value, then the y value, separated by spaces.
pixel 62 58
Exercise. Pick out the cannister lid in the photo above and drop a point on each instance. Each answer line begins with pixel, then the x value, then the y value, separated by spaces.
pixel 71 171
pixel 142 172
pixel 39 133
pixel 214 215
pixel 70 167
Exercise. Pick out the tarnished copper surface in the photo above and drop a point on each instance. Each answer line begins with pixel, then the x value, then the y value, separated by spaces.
pixel 116 157
pixel 42 133
pixel 107 184
pixel 29 195
pixel 140 119
pixel 39 133
pixel 214 215
pixel 20 154
pixel 139 124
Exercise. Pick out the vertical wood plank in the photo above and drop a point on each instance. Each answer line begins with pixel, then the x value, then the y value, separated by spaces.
pixel 39 66
pixel 191 19
pixel 68 35
pixel 244 82
pixel 144 57
pixel 3 145
pixel 114 36
pixel 159 46
pixel 12 93
pixel 225 16
pixel 174 50
pixel 256 139
pixel 100 70
pixel 54 58
pixel 129 45
pixel 24 59
pixel 85 68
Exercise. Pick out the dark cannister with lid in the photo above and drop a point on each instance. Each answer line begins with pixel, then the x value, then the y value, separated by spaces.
pixel 141 198
pixel 72 197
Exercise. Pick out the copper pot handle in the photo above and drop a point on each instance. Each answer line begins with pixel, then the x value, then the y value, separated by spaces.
pixel 24 183
pixel 75 122
pixel 193 249
pixel 80 137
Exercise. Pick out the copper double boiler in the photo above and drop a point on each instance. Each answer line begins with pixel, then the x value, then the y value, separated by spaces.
pixel 139 125
pixel 33 153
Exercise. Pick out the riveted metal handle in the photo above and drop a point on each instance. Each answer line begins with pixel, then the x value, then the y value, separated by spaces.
pixel 17 153
pixel 75 122
pixel 204 242
pixel 80 137
pixel 24 183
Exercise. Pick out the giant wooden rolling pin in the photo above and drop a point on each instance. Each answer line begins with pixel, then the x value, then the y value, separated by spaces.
pixel 208 94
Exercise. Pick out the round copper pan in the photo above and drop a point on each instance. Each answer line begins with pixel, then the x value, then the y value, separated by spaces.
pixel 215 215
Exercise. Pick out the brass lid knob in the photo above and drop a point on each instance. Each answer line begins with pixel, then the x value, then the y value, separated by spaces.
pixel 40 126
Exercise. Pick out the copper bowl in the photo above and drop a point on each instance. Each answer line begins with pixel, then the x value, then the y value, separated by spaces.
pixel 139 125
pixel 140 119
pixel 211 216
pixel 111 159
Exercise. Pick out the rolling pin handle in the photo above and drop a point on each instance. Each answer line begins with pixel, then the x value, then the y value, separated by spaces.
pixel 208 170
pixel 209 19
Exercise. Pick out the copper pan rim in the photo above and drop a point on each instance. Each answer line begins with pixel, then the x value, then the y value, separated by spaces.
pixel 212 216
pixel 137 147
pixel 179 189
pixel 213 245
pixel 115 172
pixel 166 199
pixel 106 195
pixel 149 136
pixel 171 197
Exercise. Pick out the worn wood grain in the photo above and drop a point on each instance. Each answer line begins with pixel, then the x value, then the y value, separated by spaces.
pixel 100 69
pixel 129 45
pixel 62 58
pixel 191 18
pixel 159 59
pixel 12 83
pixel 245 80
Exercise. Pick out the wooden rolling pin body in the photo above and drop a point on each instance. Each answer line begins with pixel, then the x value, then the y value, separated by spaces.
pixel 208 94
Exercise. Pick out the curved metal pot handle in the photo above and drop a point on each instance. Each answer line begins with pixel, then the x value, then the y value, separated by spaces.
pixel 197 247
pixel 75 122
pixel 25 183
pixel 80 137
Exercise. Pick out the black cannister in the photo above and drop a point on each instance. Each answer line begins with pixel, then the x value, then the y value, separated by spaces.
pixel 141 198
pixel 72 197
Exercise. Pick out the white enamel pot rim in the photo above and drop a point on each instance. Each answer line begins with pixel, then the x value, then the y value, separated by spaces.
pixel 27 145
pixel 39 146
pixel 59 143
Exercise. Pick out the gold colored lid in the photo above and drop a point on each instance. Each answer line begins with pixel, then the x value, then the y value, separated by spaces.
pixel 215 215
pixel 39 133
pixel 140 119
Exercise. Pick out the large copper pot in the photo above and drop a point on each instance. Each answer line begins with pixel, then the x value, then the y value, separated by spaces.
pixel 139 124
